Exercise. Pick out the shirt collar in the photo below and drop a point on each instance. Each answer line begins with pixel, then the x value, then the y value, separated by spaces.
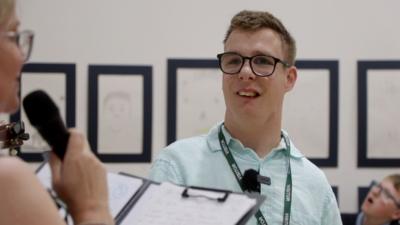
pixel 214 145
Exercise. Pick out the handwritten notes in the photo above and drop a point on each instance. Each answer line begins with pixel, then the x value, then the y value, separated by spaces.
pixel 164 205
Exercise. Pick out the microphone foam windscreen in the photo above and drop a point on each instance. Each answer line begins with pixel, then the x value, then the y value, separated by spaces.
pixel 44 115
pixel 249 180
pixel 39 108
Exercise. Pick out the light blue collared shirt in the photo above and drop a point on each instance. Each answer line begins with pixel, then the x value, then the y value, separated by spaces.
pixel 199 161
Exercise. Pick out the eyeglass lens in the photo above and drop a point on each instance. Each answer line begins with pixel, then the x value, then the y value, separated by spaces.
pixel 25 41
pixel 261 65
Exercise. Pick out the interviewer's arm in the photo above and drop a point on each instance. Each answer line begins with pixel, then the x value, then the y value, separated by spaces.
pixel 23 199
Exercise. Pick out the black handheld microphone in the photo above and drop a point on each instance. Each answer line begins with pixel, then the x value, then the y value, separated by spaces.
pixel 252 180
pixel 44 115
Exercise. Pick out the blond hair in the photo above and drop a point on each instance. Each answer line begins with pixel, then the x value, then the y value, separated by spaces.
pixel 256 20
pixel 6 9
pixel 395 179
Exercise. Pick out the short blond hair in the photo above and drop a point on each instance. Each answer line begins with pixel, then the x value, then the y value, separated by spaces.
pixel 256 20
pixel 395 179
pixel 6 9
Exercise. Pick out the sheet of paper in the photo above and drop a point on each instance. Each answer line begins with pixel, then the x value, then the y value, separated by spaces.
pixel 164 205
pixel 120 187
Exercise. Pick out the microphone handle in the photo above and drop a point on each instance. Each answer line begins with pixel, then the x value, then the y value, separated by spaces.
pixel 56 135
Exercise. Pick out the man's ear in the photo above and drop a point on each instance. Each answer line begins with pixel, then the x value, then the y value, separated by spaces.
pixel 291 77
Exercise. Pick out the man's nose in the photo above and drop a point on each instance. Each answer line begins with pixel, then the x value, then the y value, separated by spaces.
pixel 246 73
pixel 375 191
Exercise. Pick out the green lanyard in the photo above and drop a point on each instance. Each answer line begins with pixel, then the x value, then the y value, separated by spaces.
pixel 238 175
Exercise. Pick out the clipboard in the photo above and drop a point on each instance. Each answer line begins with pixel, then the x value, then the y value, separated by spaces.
pixel 133 198
pixel 131 202
pixel 259 200
pixel 208 197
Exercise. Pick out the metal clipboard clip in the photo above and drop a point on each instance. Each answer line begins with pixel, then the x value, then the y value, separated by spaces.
pixel 198 194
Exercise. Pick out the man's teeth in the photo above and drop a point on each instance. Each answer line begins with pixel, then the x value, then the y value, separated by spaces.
pixel 247 94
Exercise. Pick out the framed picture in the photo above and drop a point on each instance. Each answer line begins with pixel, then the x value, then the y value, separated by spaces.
pixel 378 110
pixel 310 113
pixel 195 97
pixel 120 112
pixel 58 81
pixel 362 193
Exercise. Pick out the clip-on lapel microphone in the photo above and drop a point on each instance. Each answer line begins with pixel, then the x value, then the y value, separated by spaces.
pixel 252 181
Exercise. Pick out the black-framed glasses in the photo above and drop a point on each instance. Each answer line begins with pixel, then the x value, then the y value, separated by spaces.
pixel 261 65
pixel 24 41
pixel 385 193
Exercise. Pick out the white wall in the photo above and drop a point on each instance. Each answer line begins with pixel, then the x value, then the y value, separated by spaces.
pixel 149 32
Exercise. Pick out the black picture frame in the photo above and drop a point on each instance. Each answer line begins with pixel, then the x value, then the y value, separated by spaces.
pixel 335 190
pixel 146 72
pixel 362 148
pixel 333 67
pixel 362 193
pixel 67 70
pixel 173 66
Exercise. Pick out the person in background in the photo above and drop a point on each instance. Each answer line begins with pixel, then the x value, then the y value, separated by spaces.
pixel 382 204
pixel 258 70
pixel 80 180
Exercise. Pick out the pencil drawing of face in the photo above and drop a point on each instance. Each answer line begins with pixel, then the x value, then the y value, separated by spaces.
pixel 117 109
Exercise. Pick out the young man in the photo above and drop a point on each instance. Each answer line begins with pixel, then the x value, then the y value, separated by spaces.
pixel 258 70
pixel 382 204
